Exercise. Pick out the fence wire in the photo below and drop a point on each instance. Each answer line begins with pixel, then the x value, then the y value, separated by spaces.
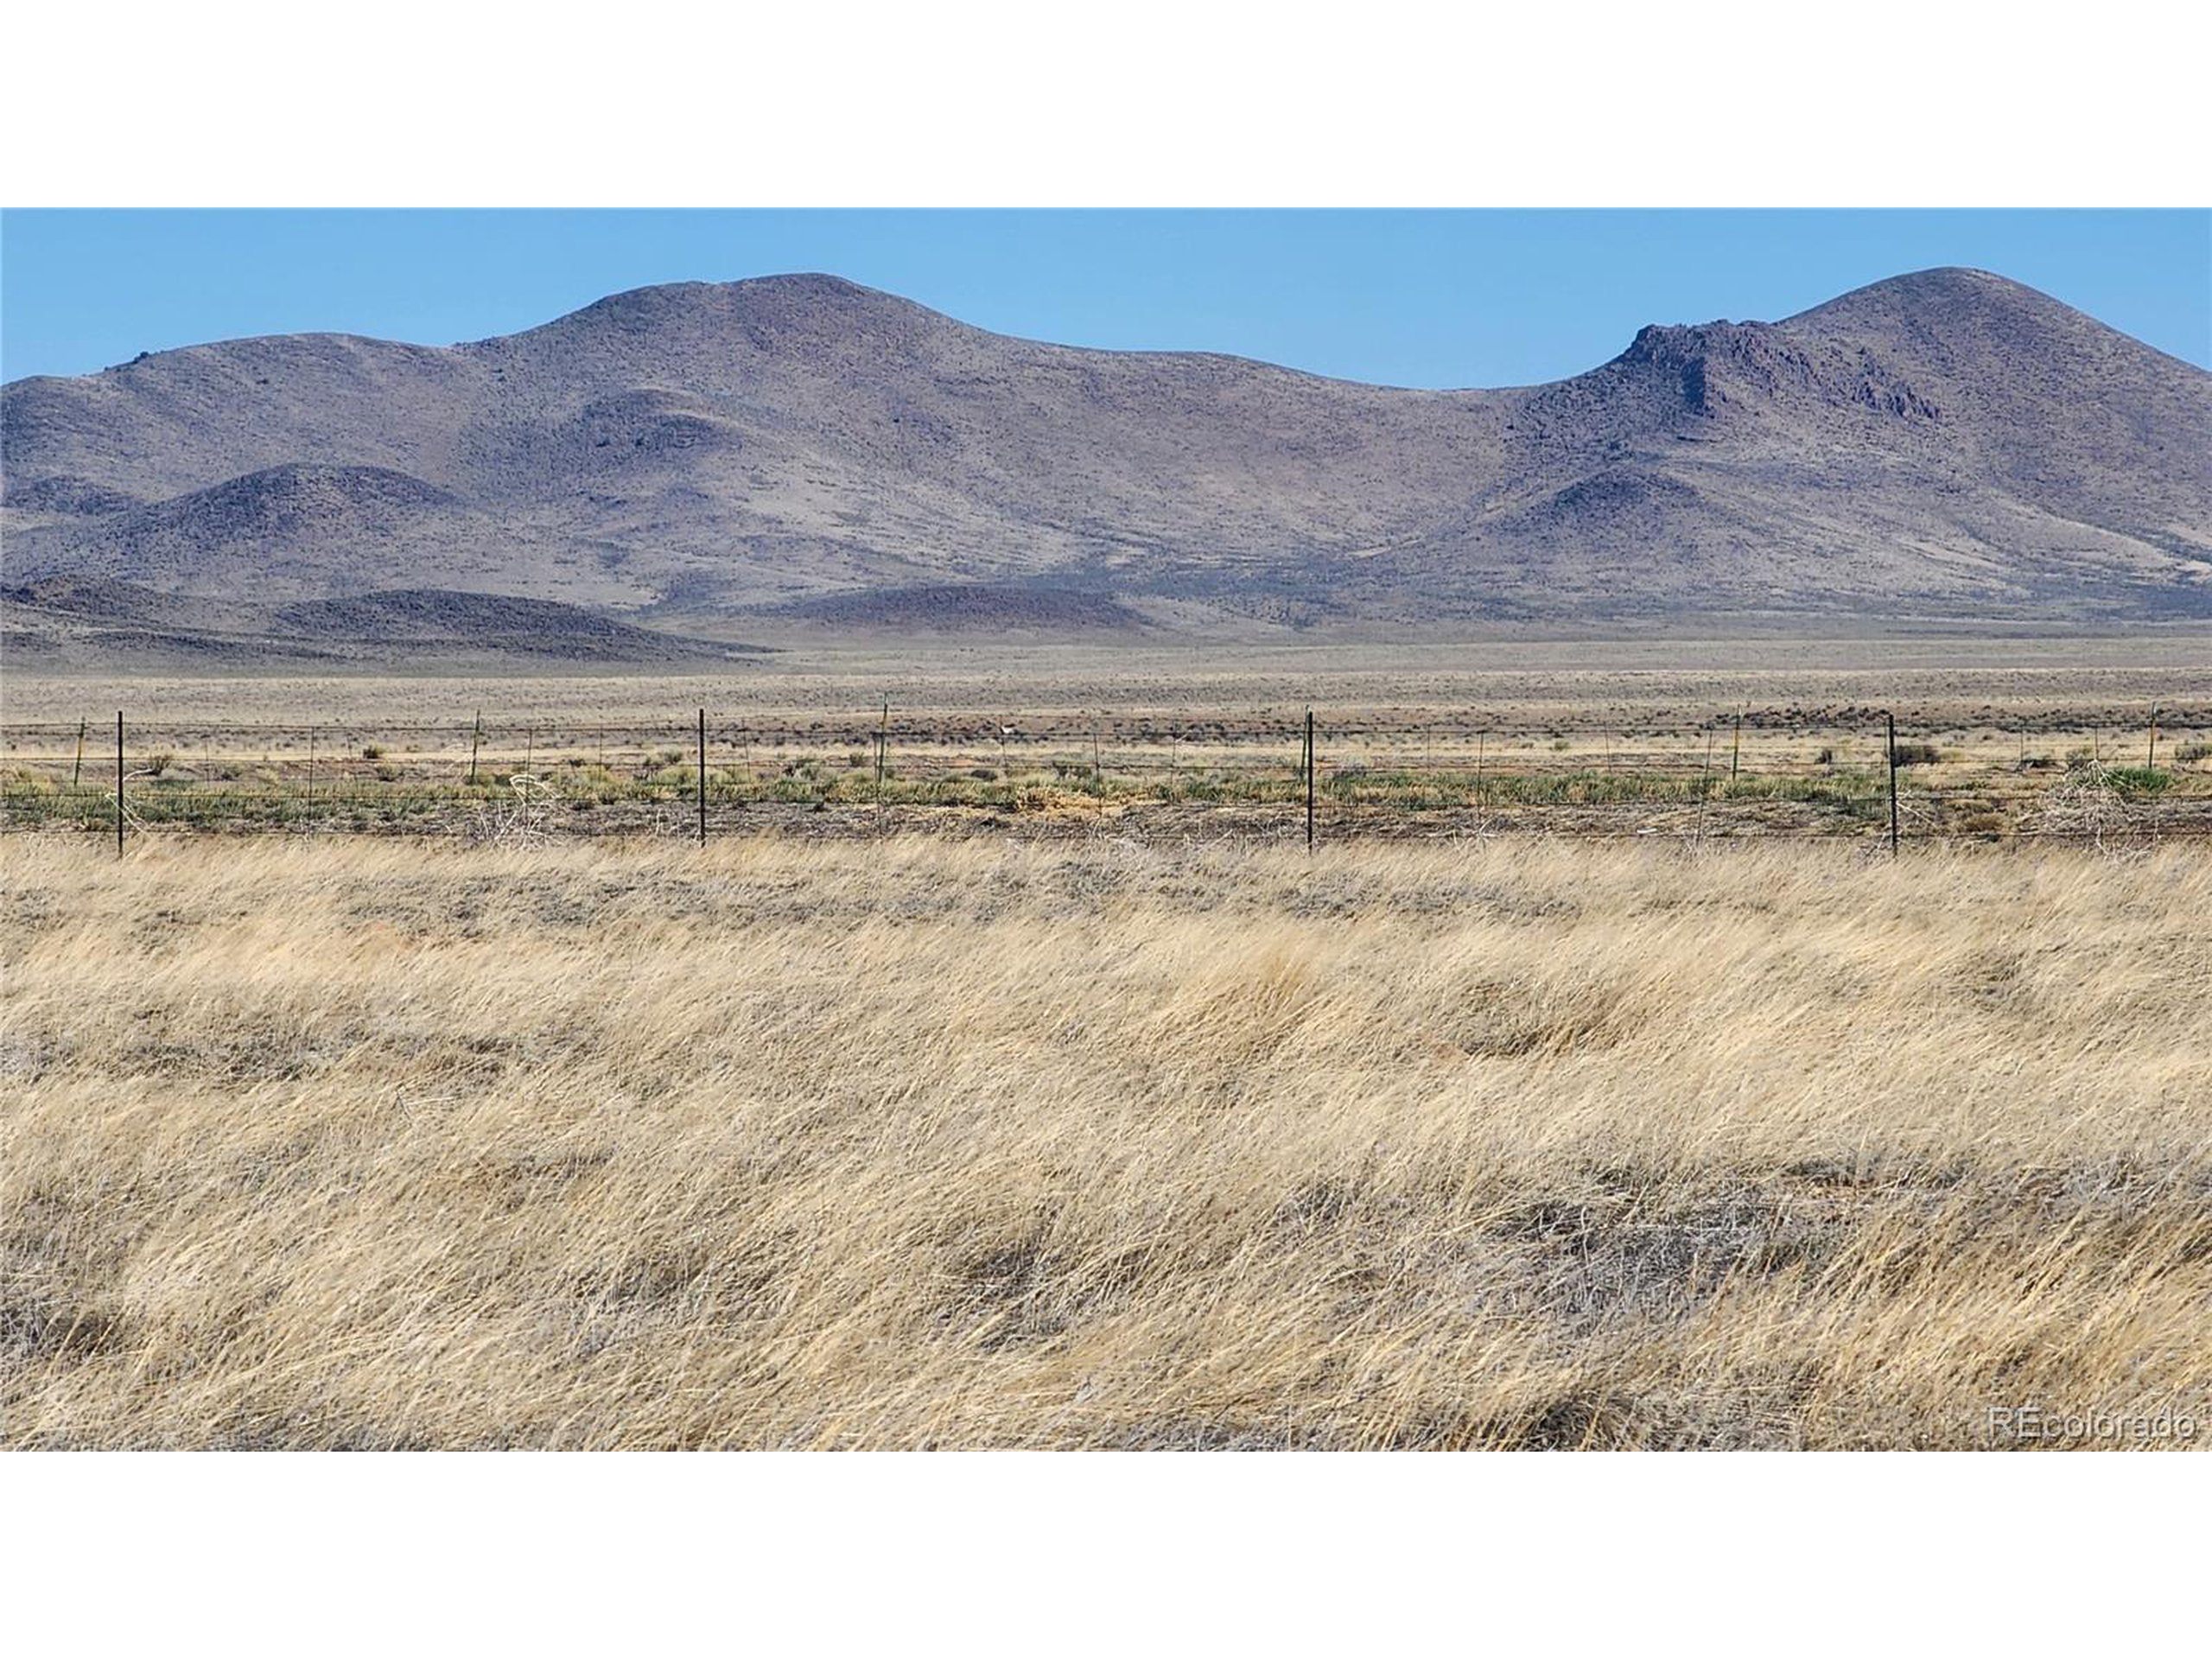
pixel 1758 771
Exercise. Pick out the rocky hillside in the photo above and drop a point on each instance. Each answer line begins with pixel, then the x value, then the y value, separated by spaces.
pixel 801 452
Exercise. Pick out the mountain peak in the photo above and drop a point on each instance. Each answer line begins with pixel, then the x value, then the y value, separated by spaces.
pixel 1939 292
pixel 783 297
pixel 1670 342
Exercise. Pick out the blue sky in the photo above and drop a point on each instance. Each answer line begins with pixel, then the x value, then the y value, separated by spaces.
pixel 1426 298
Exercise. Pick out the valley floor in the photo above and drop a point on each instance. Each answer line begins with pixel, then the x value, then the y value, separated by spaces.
pixel 918 1142
pixel 2101 738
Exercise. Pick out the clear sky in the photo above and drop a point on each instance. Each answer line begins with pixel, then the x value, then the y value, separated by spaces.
pixel 1478 298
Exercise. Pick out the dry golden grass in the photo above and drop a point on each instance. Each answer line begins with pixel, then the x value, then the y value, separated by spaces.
pixel 930 1144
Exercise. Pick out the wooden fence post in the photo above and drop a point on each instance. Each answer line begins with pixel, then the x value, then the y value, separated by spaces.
pixel 475 742
pixel 2151 761
pixel 1736 748
pixel 77 774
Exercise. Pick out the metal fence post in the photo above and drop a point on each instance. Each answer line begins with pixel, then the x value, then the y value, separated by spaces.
pixel 1891 717
pixel 1309 780
pixel 882 754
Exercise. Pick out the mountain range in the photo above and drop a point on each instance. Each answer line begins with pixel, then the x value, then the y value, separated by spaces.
pixel 726 461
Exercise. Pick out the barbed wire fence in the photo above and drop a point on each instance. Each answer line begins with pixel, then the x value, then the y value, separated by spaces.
pixel 1250 772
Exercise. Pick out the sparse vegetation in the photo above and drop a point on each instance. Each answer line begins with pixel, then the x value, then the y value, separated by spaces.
pixel 1195 777
pixel 2139 780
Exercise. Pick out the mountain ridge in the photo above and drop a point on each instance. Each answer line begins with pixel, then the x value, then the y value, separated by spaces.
pixel 714 456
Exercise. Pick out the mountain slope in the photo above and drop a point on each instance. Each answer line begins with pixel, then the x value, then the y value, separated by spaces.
pixel 699 455
pixel 73 623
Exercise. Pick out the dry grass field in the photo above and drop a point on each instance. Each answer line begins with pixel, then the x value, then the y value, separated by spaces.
pixel 922 1143
pixel 1939 682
